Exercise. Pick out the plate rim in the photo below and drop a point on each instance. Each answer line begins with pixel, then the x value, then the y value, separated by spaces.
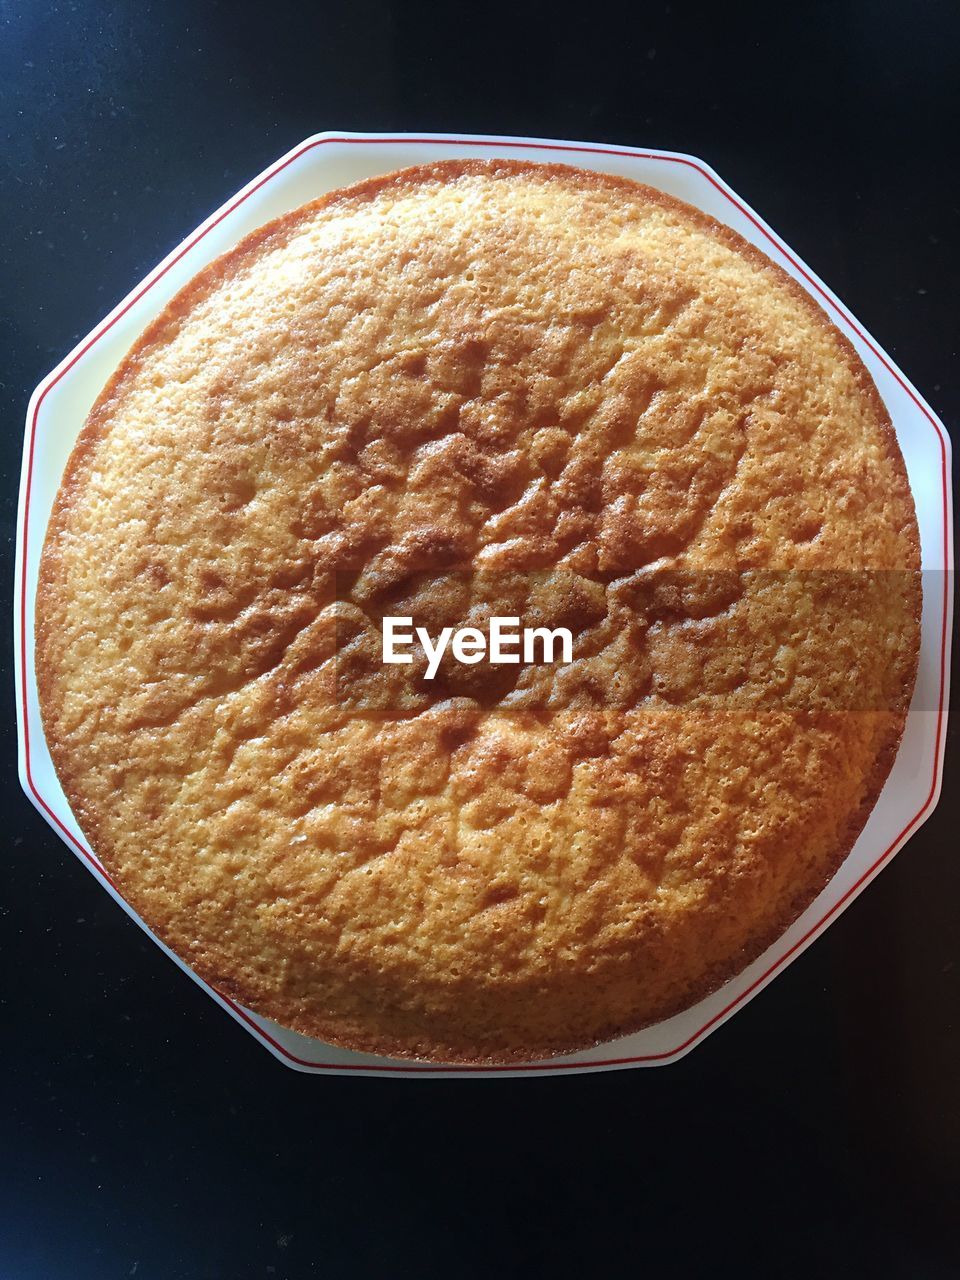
pixel 22 647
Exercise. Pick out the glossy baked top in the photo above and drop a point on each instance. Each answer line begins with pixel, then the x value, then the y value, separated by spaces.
pixel 456 391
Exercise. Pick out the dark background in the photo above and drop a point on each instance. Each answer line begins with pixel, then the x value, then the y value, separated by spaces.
pixel 141 1132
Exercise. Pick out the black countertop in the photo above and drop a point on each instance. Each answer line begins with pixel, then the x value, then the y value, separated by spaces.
pixel 143 1133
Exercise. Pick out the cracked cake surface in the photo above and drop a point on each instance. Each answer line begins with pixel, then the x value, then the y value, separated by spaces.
pixel 467 389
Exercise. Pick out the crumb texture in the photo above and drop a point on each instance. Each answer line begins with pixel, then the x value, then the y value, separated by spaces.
pixel 463 390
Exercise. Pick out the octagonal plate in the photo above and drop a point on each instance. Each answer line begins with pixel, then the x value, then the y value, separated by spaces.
pixel 322 163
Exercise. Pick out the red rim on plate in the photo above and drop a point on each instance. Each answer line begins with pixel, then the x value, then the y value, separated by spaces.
pixel 414 1068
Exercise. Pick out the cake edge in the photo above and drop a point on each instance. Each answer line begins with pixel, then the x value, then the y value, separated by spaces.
pixel 350 1035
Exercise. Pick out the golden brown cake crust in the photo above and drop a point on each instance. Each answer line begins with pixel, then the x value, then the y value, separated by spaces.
pixel 463 389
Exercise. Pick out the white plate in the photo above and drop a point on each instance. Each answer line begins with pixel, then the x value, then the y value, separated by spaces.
pixel 61 402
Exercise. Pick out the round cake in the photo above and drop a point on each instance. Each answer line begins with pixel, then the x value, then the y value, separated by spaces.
pixel 457 392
